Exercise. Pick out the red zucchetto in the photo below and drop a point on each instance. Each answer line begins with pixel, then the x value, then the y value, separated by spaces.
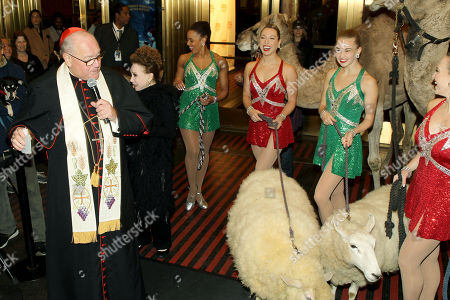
pixel 68 32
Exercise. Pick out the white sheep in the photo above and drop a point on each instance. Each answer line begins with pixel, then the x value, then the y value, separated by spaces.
pixel 258 237
pixel 346 246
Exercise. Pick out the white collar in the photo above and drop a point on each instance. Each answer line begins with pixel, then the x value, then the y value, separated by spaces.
pixel 117 29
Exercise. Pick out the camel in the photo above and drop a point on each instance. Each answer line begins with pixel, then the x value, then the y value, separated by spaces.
pixel 432 17
pixel 376 58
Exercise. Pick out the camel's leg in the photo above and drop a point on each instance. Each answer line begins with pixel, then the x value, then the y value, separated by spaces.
pixel 353 291
pixel 410 121
pixel 374 159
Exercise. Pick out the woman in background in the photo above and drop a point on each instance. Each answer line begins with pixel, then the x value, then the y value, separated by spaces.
pixel 39 39
pixel 21 56
pixel 197 75
pixel 150 156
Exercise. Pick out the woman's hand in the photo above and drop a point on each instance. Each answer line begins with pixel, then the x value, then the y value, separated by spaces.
pixel 279 119
pixel 327 118
pixel 179 84
pixel 347 140
pixel 207 99
pixel 405 174
pixel 254 115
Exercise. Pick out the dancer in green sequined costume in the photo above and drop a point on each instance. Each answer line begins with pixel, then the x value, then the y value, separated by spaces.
pixel 197 75
pixel 347 92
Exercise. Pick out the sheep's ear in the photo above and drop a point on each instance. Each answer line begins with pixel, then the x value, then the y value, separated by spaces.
pixel 291 282
pixel 370 223
pixel 286 18
pixel 341 232
pixel 327 276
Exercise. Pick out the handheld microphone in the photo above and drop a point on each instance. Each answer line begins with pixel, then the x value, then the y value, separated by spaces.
pixel 92 84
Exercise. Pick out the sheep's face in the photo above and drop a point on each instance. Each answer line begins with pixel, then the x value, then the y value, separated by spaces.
pixel 360 247
pixel 361 250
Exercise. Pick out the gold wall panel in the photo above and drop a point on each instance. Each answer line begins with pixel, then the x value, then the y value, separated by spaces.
pixel 223 28
pixel 265 8
pixel 15 15
pixel 177 16
pixel 350 14
pixel 83 14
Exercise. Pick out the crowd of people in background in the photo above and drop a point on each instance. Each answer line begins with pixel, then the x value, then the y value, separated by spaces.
pixel 57 58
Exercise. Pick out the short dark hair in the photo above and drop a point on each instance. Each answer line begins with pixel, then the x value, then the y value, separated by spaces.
pixel 29 18
pixel 117 8
pixel 202 28
pixel 351 33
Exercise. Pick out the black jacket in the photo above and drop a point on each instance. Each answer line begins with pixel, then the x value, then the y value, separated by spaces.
pixel 106 38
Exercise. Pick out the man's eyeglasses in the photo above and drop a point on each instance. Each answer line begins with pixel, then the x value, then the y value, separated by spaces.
pixel 91 61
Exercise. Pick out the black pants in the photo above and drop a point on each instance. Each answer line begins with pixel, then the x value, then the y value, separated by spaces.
pixel 162 238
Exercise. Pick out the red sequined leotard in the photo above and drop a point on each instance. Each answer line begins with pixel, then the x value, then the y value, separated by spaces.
pixel 428 195
pixel 268 97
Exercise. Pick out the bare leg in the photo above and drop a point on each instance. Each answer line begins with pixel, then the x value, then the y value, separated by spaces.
pixel 256 151
pixel 265 157
pixel 191 142
pixel 418 267
pixel 207 141
pixel 338 196
pixel 431 275
pixel 325 188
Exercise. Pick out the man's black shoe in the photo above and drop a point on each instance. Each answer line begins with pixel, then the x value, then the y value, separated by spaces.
pixel 39 248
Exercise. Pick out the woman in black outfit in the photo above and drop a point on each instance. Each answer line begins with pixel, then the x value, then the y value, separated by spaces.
pixel 150 156
pixel 22 56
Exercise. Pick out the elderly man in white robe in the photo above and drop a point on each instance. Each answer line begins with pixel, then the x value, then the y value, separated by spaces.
pixel 91 226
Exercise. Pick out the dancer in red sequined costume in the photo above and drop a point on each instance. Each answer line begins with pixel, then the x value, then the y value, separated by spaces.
pixel 267 82
pixel 428 197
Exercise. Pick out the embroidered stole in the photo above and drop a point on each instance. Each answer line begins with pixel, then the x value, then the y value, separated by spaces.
pixel 84 223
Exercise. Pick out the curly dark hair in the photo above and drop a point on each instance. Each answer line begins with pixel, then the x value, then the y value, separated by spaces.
pixel 150 59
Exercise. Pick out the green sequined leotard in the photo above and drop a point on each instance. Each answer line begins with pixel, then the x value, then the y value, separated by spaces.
pixel 346 106
pixel 197 82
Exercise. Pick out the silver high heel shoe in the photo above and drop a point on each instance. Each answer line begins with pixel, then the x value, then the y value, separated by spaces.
pixel 190 202
pixel 201 201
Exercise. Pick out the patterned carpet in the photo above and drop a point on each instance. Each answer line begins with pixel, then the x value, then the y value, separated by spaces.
pixel 199 240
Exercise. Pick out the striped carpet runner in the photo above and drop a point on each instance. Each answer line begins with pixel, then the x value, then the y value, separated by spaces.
pixel 199 240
